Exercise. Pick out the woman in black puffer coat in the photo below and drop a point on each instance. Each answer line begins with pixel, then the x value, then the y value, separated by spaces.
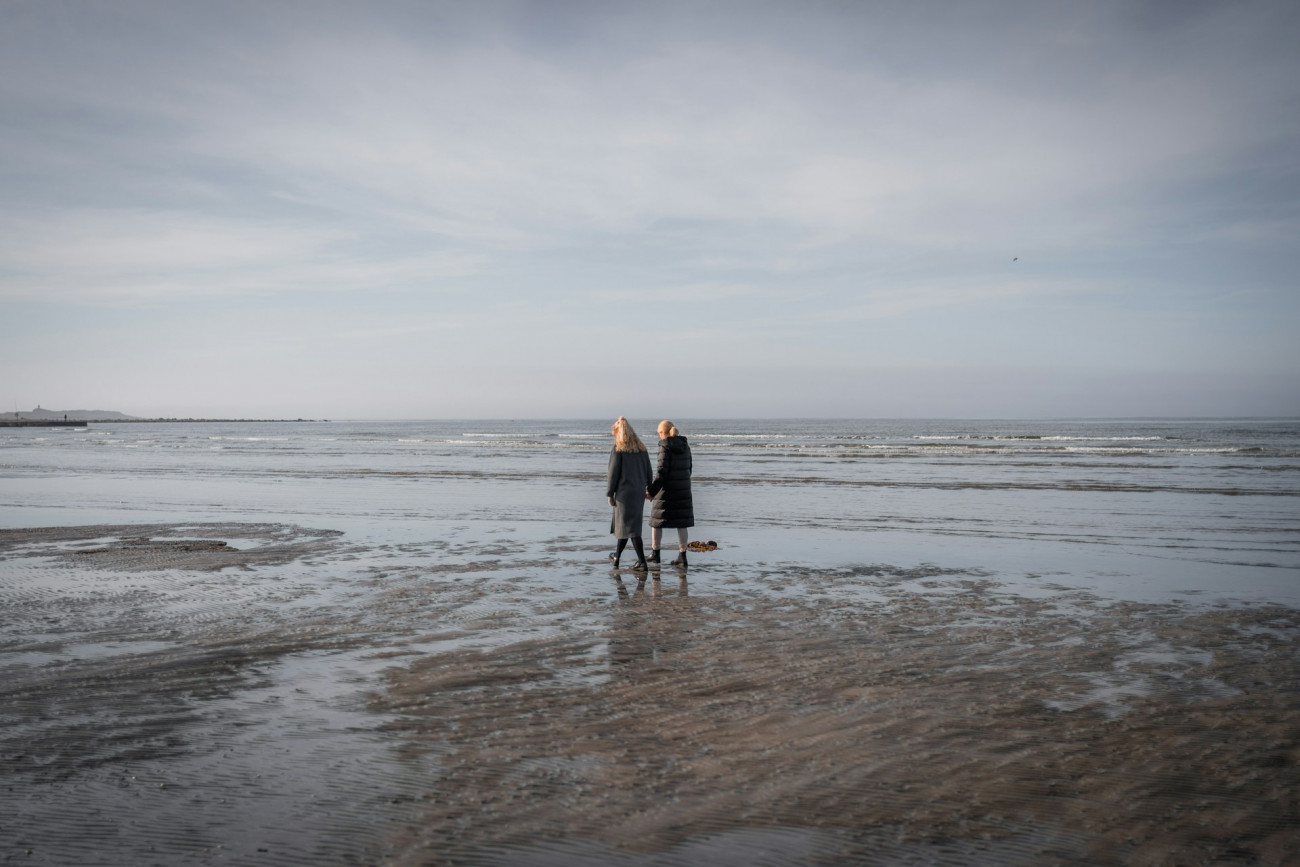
pixel 671 492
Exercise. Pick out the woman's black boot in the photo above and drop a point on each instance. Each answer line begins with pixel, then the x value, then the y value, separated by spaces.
pixel 681 559
pixel 618 552
pixel 640 564
pixel 654 556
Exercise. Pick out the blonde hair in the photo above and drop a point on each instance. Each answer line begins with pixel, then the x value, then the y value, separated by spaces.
pixel 667 429
pixel 625 439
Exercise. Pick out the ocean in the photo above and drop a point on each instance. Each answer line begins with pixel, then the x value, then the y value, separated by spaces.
pixel 940 642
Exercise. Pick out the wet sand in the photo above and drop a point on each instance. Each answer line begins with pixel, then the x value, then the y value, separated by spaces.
pixel 269 694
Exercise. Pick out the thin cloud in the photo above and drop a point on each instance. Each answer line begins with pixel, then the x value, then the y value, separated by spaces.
pixel 956 293
pixel 389 332
pixel 691 293
pixel 103 256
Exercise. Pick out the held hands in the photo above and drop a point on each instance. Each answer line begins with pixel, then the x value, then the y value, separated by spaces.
pixel 647 496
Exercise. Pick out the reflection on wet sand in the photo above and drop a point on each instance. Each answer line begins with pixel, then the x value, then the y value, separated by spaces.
pixel 648 600
pixel 657 588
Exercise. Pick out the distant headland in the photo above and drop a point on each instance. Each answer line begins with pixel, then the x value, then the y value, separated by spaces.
pixel 41 417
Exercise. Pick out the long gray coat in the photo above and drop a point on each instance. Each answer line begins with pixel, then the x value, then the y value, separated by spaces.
pixel 628 477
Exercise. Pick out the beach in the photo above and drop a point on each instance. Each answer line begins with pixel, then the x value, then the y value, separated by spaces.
pixel 308 649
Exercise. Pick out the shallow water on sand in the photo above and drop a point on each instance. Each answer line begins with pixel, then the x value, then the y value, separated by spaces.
pixel 918 642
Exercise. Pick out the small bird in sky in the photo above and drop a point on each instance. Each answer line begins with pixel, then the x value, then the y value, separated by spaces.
pixel 1015 258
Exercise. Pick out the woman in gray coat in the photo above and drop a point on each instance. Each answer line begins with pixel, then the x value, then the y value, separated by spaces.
pixel 625 486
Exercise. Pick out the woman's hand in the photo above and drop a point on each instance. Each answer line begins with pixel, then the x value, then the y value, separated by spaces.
pixel 611 501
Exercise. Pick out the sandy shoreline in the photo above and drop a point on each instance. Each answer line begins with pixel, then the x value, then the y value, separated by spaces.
pixel 259 693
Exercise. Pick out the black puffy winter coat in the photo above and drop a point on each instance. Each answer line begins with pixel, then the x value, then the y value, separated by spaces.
pixel 671 486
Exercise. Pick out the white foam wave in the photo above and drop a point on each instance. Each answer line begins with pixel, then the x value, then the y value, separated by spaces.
pixel 1032 438
pixel 705 436
pixel 246 439
pixel 1100 439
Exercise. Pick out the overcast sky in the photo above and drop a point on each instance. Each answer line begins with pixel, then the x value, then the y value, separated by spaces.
pixel 547 209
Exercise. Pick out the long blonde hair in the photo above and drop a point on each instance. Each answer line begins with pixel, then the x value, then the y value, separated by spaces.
pixel 667 429
pixel 625 439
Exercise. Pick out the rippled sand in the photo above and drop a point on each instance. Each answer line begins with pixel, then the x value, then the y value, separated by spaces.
pixel 265 694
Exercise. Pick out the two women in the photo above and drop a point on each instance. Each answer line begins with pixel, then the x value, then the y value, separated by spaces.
pixel 628 485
